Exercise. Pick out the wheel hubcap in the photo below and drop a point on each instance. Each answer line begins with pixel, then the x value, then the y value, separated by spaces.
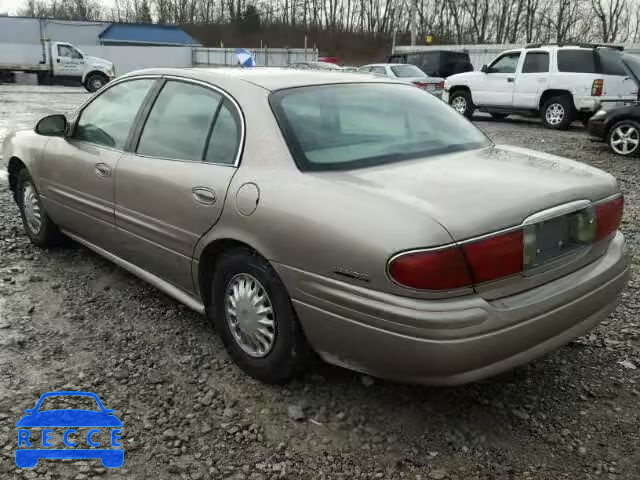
pixel 249 314
pixel 625 140
pixel 554 114
pixel 32 211
pixel 97 84
pixel 459 104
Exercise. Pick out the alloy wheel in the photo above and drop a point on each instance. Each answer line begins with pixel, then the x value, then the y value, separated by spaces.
pixel 32 210
pixel 249 314
pixel 459 104
pixel 625 139
pixel 554 114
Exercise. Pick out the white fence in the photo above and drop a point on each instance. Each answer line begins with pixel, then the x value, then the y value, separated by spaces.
pixel 264 57
pixel 483 54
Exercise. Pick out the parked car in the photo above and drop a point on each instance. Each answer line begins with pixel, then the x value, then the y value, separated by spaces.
pixel 435 63
pixel 314 66
pixel 348 215
pixel 561 83
pixel 406 73
pixel 333 60
pixel 619 127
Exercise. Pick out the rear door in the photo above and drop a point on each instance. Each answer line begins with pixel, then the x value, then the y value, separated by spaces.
pixel 172 189
pixel 532 80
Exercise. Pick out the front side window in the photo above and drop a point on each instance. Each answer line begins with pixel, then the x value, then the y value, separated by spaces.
pixel 337 127
pixel 69 52
pixel 407 71
pixel 108 119
pixel 536 62
pixel 506 63
pixel 179 123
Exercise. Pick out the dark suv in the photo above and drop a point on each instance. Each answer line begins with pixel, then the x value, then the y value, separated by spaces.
pixel 435 63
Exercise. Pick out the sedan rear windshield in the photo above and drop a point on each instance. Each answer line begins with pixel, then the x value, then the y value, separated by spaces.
pixel 345 126
pixel 405 71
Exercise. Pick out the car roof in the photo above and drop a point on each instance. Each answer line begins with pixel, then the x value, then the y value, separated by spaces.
pixel 269 78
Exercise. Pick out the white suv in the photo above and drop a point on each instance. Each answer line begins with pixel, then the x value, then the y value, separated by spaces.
pixel 562 83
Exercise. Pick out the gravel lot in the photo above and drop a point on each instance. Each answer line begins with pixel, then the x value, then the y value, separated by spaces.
pixel 70 320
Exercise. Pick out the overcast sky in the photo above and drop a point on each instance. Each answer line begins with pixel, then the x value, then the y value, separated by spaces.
pixel 9 6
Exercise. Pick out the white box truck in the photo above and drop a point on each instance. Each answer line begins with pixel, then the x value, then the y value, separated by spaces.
pixel 28 51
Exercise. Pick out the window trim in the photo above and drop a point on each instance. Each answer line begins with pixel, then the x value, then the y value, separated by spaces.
pixel 139 128
pixel 75 116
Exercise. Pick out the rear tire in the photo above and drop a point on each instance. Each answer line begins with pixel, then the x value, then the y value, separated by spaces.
pixel 558 112
pixel 623 138
pixel 251 304
pixel 38 226
pixel 499 116
pixel 461 102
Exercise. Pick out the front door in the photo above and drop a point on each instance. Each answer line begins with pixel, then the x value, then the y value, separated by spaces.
pixel 495 87
pixel 172 190
pixel 77 173
pixel 532 81
pixel 69 62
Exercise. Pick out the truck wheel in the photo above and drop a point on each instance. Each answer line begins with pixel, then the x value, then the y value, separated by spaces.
pixel 558 112
pixel 461 102
pixel 95 82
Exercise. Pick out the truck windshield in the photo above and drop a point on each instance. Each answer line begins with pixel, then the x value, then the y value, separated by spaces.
pixel 346 126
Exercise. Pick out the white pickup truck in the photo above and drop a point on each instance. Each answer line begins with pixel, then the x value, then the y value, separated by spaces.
pixel 55 60
pixel 561 83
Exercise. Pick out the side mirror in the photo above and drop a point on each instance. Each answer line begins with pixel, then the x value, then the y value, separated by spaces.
pixel 484 69
pixel 52 126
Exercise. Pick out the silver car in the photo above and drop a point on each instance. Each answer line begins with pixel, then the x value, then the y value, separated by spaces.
pixel 407 73
pixel 353 216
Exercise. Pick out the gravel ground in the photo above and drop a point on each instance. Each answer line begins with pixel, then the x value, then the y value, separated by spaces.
pixel 71 320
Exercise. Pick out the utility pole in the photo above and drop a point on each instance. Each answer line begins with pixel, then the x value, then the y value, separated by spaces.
pixel 414 23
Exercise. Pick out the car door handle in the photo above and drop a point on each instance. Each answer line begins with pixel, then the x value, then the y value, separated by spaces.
pixel 510 79
pixel 204 195
pixel 103 170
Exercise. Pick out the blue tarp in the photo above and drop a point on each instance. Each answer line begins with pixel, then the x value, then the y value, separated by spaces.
pixel 146 33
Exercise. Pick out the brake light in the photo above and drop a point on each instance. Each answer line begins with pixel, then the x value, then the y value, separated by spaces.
pixel 443 269
pixel 608 217
pixel 439 86
pixel 597 87
pixel 420 84
pixel 495 257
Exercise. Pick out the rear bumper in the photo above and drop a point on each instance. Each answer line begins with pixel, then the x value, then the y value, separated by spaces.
pixel 456 340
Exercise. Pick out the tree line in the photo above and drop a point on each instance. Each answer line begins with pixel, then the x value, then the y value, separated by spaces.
pixel 446 21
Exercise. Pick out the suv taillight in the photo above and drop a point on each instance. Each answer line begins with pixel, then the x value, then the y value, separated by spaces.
pixel 597 87
pixel 486 259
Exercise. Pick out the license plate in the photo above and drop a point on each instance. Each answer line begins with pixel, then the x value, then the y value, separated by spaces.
pixel 552 239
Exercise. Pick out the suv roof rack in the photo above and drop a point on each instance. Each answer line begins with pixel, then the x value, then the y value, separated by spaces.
pixel 574 44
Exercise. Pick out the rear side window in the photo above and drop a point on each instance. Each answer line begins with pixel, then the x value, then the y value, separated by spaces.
pixel 429 62
pixel 378 70
pixel 536 62
pixel 611 63
pixel 407 71
pixel 225 136
pixel 577 61
pixel 179 123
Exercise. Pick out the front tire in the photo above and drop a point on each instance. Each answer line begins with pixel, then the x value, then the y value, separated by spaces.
pixel 255 318
pixel 624 138
pixel 38 226
pixel 558 112
pixel 95 82
pixel 461 102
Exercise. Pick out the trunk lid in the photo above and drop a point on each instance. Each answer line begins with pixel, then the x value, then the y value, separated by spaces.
pixel 484 191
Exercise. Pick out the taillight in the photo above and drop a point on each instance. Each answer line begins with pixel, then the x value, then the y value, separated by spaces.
pixel 420 84
pixel 596 88
pixel 608 217
pixel 443 269
pixel 495 257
